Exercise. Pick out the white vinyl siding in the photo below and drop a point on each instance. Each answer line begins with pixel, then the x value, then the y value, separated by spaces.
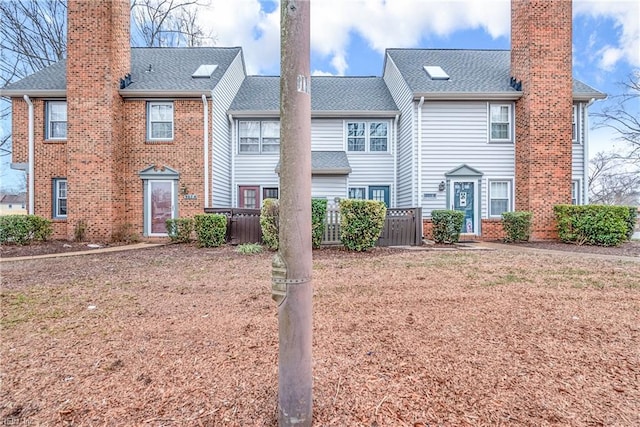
pixel 455 133
pixel 159 121
pixel 327 135
pixel 500 122
pixel 329 187
pixel 220 159
pixel 405 161
pixel 56 113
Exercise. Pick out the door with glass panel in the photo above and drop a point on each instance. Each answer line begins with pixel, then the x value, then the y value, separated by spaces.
pixel 160 205
pixel 249 197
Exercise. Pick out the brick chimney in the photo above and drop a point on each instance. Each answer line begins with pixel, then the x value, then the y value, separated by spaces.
pixel 541 60
pixel 98 56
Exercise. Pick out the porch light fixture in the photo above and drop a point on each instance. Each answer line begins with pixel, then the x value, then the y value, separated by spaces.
pixel 441 186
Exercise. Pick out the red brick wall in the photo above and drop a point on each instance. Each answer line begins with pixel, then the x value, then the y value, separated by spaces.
pixel 98 56
pixel 541 59
pixel 491 230
pixel 184 154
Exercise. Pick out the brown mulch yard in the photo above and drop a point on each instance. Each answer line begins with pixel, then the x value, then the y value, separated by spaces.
pixel 176 335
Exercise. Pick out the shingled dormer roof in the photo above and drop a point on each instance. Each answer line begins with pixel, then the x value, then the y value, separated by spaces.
pixel 329 95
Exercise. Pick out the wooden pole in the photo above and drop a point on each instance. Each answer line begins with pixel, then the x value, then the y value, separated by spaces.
pixel 293 263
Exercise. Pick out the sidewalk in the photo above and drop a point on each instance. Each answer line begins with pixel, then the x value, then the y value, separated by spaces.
pixel 86 252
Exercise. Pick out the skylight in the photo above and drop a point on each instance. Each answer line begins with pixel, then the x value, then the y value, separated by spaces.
pixel 204 71
pixel 435 72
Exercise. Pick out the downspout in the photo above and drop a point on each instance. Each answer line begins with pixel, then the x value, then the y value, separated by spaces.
pixel 205 106
pixel 585 172
pixel 233 160
pixel 31 183
pixel 420 151
pixel 395 161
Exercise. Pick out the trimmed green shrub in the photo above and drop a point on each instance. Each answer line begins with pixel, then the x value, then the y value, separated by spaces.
pixel 269 223
pixel 211 230
pixel 631 221
pixel 447 225
pixel 517 226
pixel 318 221
pixel 361 222
pixel 180 229
pixel 24 229
pixel 592 224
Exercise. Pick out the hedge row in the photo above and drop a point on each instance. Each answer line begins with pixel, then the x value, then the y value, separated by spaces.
pixel 24 229
pixel 270 222
pixel 600 225
pixel 210 229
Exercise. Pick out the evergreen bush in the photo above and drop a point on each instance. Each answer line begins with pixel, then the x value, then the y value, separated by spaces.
pixel 517 226
pixel 447 225
pixel 600 225
pixel 270 223
pixel 180 229
pixel 211 229
pixel 318 221
pixel 361 222
pixel 24 229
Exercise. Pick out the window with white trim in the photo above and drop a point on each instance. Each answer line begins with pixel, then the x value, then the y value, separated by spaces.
pixel 499 197
pixel 500 123
pixel 160 121
pixel 574 124
pixel 357 193
pixel 60 198
pixel 259 137
pixel 56 113
pixel 575 192
pixel 367 136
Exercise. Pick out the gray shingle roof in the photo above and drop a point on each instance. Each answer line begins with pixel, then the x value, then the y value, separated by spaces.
pixel 171 70
pixel 327 163
pixel 328 94
pixel 470 71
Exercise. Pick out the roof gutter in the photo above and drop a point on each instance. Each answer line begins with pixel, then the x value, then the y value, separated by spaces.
pixel 31 160
pixel 484 96
pixel 126 93
pixel 205 117
pixel 420 151
pixel 34 93
pixel 315 114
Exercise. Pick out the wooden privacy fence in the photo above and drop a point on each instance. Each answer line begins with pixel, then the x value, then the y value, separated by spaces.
pixel 402 227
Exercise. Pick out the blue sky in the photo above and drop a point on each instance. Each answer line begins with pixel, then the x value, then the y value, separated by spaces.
pixel 348 37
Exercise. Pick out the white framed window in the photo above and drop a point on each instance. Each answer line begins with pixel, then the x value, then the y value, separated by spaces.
pixel 357 193
pixel 574 123
pixel 259 137
pixel 575 192
pixel 60 198
pixel 160 121
pixel 499 197
pixel 366 136
pixel 56 113
pixel 500 123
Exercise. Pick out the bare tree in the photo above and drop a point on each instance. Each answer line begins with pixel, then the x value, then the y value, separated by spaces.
pixel 622 113
pixel 614 179
pixel 162 23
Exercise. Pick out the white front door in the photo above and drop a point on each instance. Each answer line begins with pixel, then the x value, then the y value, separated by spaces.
pixel 159 206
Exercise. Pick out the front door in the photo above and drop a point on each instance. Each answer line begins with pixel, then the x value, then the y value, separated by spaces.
pixel 464 200
pixel 379 193
pixel 159 205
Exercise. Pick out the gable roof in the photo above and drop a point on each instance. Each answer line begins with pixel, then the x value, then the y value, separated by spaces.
pixel 330 95
pixel 474 73
pixel 170 75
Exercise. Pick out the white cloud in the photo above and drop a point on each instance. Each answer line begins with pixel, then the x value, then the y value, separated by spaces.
pixel 626 16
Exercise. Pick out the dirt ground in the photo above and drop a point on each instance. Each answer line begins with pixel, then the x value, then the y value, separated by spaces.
pixel 176 335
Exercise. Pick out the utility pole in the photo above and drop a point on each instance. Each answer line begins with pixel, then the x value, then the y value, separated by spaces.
pixel 292 265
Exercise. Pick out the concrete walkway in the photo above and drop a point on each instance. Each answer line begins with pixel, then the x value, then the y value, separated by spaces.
pixel 87 252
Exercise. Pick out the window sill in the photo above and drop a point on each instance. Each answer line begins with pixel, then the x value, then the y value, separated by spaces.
pixel 159 141
pixel 500 141
pixel 58 219
pixel 55 141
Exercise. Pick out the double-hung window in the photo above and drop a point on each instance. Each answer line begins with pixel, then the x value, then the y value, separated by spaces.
pixel 160 121
pixel 56 120
pixel 367 136
pixel 575 192
pixel 357 193
pixel 500 123
pixel 60 198
pixel 499 197
pixel 259 136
